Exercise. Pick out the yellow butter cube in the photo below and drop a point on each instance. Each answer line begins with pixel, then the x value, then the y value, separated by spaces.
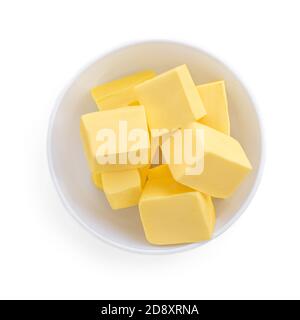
pixel 122 189
pixel 102 136
pixel 174 214
pixel 171 99
pixel 214 98
pixel 120 92
pixel 97 179
pixel 225 164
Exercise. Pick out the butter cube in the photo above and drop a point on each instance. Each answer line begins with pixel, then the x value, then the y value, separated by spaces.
pixel 225 164
pixel 214 99
pixel 171 99
pixel 143 172
pixel 97 179
pixel 174 214
pixel 114 148
pixel 122 188
pixel 120 92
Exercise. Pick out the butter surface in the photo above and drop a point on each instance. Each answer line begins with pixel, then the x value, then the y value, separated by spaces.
pixel 174 214
pixel 214 99
pixel 160 172
pixel 97 177
pixel 171 99
pixel 225 165
pixel 120 92
pixel 90 125
pixel 122 189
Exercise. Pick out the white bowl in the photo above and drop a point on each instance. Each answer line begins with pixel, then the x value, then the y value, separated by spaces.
pixel 68 166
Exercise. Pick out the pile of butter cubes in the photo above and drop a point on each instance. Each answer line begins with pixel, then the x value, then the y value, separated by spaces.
pixel 175 207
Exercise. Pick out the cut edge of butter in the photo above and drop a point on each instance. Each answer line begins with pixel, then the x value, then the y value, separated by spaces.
pixel 214 98
pixel 122 86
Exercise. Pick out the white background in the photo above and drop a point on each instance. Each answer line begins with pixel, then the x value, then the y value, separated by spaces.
pixel 44 253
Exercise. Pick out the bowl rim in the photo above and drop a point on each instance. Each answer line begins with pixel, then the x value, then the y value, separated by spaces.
pixel 161 250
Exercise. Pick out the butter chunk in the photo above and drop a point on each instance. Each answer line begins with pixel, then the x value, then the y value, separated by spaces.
pixel 97 179
pixel 90 125
pixel 171 99
pixel 225 164
pixel 214 99
pixel 120 92
pixel 123 188
pixel 174 214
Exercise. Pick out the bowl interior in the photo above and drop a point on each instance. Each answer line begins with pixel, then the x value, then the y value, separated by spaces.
pixel 68 165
